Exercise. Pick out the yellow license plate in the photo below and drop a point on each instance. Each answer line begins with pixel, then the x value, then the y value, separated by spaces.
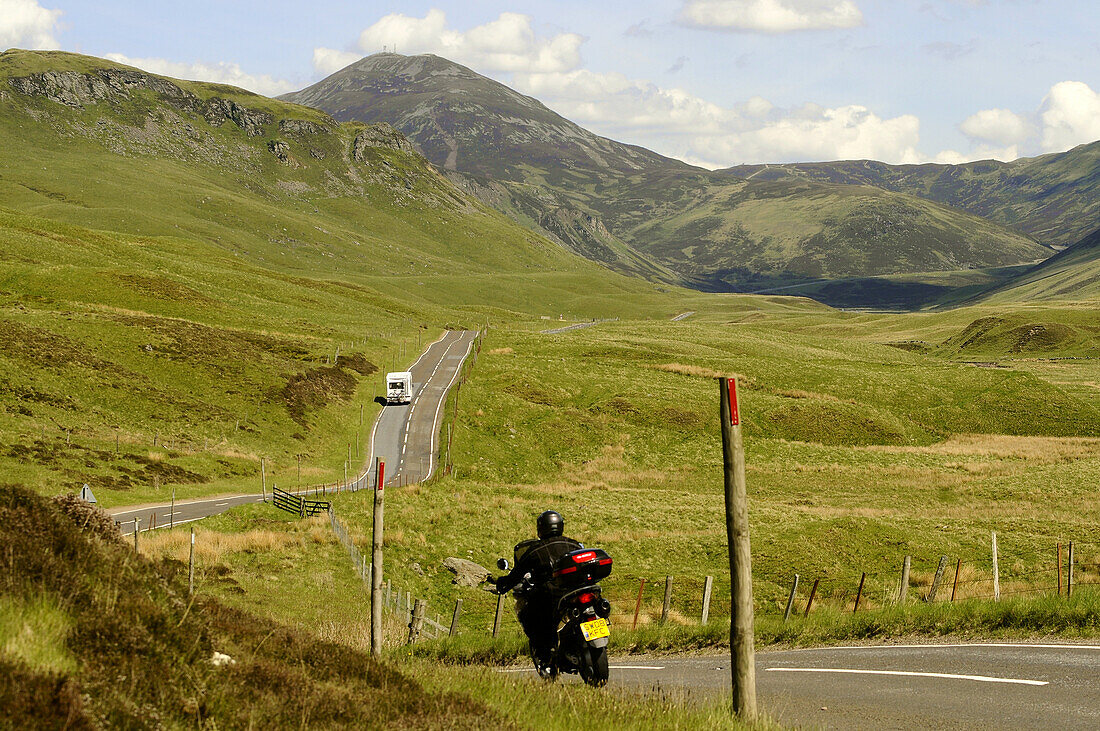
pixel 595 629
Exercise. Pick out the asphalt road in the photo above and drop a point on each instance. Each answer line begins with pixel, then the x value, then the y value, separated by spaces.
pixel 404 436
pixel 972 686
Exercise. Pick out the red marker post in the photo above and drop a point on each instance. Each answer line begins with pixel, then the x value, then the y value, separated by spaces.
pixel 376 562
pixel 742 653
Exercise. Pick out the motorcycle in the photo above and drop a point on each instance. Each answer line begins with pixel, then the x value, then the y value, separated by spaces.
pixel 582 612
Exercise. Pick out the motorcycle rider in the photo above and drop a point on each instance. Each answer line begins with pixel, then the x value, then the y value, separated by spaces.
pixel 537 611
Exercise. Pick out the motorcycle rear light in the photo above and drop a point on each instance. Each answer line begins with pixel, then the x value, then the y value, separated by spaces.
pixel 605 561
pixel 567 570
pixel 584 557
pixel 586 598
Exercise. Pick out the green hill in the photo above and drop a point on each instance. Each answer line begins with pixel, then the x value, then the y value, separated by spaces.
pixel 193 277
pixel 1053 198
pixel 643 213
pixel 1072 274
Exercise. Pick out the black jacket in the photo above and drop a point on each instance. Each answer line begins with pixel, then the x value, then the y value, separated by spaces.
pixel 539 560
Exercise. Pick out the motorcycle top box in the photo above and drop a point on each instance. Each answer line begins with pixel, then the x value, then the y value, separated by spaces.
pixel 583 566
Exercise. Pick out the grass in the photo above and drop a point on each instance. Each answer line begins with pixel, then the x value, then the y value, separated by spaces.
pixel 33 631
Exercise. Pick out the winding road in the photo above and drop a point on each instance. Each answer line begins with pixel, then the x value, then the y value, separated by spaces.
pixel 404 436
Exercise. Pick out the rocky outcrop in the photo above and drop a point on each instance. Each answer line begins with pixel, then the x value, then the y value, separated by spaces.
pixel 379 135
pixel 74 89
pixel 467 573
pixel 301 127
pixel 281 150
pixel 217 111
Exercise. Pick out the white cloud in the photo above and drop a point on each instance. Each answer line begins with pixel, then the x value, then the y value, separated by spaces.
pixel 222 72
pixel 328 61
pixel 1070 116
pixel 678 123
pixel 26 24
pixel 771 16
pixel 508 43
pixel 999 126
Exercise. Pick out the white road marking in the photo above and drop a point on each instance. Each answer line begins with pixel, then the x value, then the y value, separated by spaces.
pixel 435 421
pixel 906 673
pixel 1025 645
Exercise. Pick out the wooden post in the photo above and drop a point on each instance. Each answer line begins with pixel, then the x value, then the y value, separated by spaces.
pixel 743 665
pixel 955 585
pixel 191 566
pixel 790 599
pixel 172 515
pixel 859 592
pixel 638 604
pixel 903 588
pixel 666 605
pixel 810 601
pixel 454 618
pixel 1069 575
pixel 376 563
pixel 499 614
pixel 389 592
pixel 263 478
pixel 1059 569
pixel 996 572
pixel 708 585
pixel 936 580
pixel 137 527
pixel 299 473
pixel 417 621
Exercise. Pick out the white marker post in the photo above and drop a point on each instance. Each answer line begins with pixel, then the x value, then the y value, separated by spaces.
pixel 737 536
pixel 376 562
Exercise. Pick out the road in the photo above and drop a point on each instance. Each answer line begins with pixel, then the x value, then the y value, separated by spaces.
pixel 1006 685
pixel 404 436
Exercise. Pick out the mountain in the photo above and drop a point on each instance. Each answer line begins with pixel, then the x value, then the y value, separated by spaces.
pixel 643 213
pixel 1053 198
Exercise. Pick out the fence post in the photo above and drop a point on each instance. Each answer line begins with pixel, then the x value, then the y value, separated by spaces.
pixel 859 592
pixel 417 621
pixel 499 614
pixel 903 588
pixel 1069 577
pixel 936 580
pixel 1059 569
pixel 996 572
pixel 191 566
pixel 790 599
pixel 454 618
pixel 376 563
pixel 263 479
pixel 708 585
pixel 742 654
pixel 638 604
pixel 137 527
pixel 810 602
pixel 667 603
pixel 955 585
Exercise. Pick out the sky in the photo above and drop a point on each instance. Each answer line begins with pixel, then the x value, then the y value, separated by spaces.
pixel 712 82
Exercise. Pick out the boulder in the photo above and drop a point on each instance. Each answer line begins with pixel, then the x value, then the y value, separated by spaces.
pixel 467 573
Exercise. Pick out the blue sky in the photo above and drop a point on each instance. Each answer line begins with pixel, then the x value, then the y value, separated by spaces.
pixel 715 82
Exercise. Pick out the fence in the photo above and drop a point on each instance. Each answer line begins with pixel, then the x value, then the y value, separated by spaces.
pixel 298 505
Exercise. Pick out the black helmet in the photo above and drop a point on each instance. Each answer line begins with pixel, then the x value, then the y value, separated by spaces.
pixel 550 524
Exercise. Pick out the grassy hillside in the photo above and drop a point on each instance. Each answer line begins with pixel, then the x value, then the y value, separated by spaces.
pixel 1071 275
pixel 1053 198
pixel 648 215
pixel 176 284
pixel 96 637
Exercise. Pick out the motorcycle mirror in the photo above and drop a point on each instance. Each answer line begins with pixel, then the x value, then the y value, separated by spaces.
pixel 502 564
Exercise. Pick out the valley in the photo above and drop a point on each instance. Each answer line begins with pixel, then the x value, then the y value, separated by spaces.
pixel 196 280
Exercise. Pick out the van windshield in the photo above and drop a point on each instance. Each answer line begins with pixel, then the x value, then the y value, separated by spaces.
pixel 396 384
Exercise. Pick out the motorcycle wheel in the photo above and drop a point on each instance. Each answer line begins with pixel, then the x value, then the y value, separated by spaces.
pixel 594 670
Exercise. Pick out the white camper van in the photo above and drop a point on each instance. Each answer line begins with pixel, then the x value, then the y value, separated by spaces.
pixel 399 387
